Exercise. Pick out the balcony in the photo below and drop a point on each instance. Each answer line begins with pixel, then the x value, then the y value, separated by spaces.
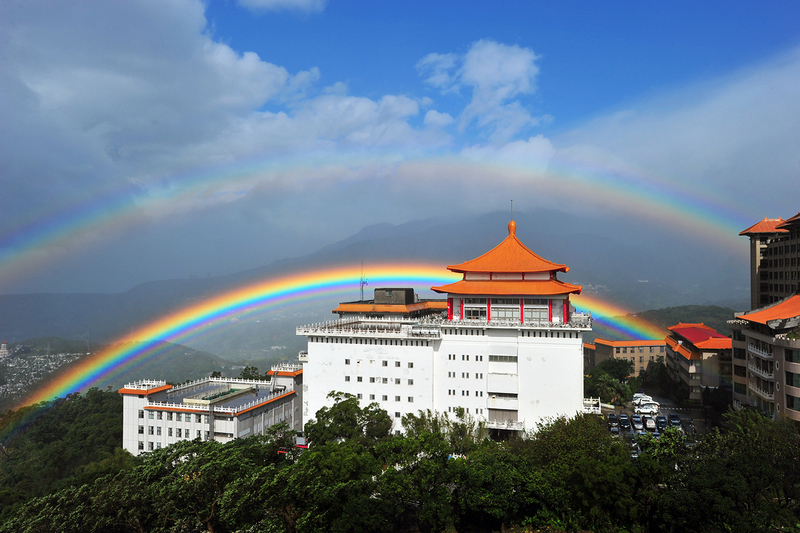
pixel 762 393
pixel 513 426
pixel 763 354
pixel 761 372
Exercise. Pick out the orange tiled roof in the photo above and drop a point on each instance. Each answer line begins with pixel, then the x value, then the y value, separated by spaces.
pixel 589 345
pixel 789 222
pixel 683 350
pixel 551 287
pixel 285 373
pixel 715 343
pixel 768 225
pixel 360 307
pixel 786 309
pixel 509 256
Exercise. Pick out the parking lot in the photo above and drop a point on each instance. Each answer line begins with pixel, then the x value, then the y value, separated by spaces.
pixel 693 420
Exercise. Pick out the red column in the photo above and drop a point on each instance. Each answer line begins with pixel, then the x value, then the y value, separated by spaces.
pixel 522 309
pixel 449 309
pixel 550 310
pixel 488 309
pixel 462 309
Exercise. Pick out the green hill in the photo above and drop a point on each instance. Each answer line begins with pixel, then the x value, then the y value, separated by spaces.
pixel 711 315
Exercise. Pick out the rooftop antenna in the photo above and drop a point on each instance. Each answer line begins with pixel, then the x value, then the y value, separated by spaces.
pixel 363 282
pixel 512 209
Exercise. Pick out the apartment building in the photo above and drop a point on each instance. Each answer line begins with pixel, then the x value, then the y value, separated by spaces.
pixel 767 341
pixel 698 357
pixel 505 345
pixel 156 414
pixel 639 352
pixel 774 260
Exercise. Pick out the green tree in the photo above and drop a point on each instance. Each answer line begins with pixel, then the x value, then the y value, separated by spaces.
pixel 346 420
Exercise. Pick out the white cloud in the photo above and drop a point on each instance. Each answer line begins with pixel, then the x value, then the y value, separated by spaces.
pixel 310 6
pixel 497 74
pixel 436 119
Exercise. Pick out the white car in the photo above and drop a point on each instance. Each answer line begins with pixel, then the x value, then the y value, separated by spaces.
pixel 642 399
pixel 648 408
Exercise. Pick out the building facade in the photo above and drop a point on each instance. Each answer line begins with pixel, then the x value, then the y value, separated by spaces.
pixel 505 345
pixel 774 260
pixel 156 414
pixel 767 341
pixel 639 352
pixel 698 357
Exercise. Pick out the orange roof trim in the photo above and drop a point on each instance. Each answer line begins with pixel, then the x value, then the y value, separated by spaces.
pixel 509 256
pixel 510 288
pixel 389 308
pixel 144 392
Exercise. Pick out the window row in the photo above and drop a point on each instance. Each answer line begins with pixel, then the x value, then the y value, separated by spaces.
pixel 385 398
pixel 385 381
pixel 452 392
pixel 376 342
pixel 178 417
pixel 386 363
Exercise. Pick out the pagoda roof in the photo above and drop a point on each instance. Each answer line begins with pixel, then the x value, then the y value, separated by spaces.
pixel 785 313
pixel 509 256
pixel 768 225
pixel 550 287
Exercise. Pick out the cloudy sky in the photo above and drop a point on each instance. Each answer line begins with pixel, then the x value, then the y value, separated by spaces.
pixel 177 138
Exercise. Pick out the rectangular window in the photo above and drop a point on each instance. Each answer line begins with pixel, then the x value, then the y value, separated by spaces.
pixel 347 378
pixel 150 446
pixel 141 430
pixel 385 363
pixel 169 416
pixel 151 415
pixel 397 364
pixel 359 378
pixel 410 365
pixel 371 396
pixel 141 413
pixel 410 399
pixel 385 381
pixel 384 398
pixel 410 381
pixel 792 356
pixel 397 398
pixel 169 432
pixel 141 445
pixel 792 379
pixel 158 430
pixel 358 396
pixel 502 358
pixel 198 434
pixel 372 380
pixel 150 430
pixel 396 414
pixel 178 432
pixel 160 415
pixel 397 381
pixel 178 417
pixel 347 361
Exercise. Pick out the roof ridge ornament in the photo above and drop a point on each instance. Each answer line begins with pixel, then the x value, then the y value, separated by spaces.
pixel 512 229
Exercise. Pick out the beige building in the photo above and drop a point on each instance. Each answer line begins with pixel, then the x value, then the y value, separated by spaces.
pixel 641 353
pixel 767 341
pixel 698 357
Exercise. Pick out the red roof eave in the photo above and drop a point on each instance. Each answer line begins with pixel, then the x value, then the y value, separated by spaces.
pixel 510 288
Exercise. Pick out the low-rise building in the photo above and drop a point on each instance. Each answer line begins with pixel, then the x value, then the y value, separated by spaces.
pixel 698 357
pixel 156 414
pixel 641 353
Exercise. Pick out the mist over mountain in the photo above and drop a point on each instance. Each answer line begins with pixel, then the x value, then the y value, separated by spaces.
pixel 641 268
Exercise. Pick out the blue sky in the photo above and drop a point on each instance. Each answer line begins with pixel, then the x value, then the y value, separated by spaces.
pixel 182 138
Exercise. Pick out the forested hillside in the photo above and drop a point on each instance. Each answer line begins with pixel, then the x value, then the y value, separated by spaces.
pixel 571 475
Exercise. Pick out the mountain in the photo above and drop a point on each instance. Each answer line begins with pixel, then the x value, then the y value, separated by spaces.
pixel 638 267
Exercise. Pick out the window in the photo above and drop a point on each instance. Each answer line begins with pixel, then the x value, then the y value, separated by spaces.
pixel 150 446
pixel 141 430
pixel 160 415
pixel 410 381
pixel 371 396
pixel 151 415
pixel 150 430
pixel 198 433
pixel 347 361
pixel 410 364
pixel 169 432
pixel 410 399
pixel 141 445
pixel 372 380
pixel 358 396
pixel 397 364
pixel 384 398
pixel 178 432
pixel 385 363
pixel 169 416
pixel 141 413
pixel 502 358
pixel 359 378
pixel 397 415
pixel 385 381
pixel 397 398
pixel 158 430
pixel 178 417
pixel 197 418
pixel 397 381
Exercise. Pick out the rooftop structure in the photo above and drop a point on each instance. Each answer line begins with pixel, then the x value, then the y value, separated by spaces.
pixel 774 259
pixel 698 357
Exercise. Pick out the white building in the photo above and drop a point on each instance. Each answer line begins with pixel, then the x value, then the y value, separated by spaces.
pixel 505 345
pixel 156 414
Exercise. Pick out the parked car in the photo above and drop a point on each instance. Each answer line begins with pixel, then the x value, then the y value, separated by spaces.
pixel 674 420
pixel 615 431
pixel 611 418
pixel 649 408
pixel 624 422
pixel 638 394
pixel 661 422
pixel 642 399
pixel 648 422
pixel 636 421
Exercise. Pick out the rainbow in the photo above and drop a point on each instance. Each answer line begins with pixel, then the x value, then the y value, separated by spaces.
pixel 616 321
pixel 146 342
pixel 603 185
